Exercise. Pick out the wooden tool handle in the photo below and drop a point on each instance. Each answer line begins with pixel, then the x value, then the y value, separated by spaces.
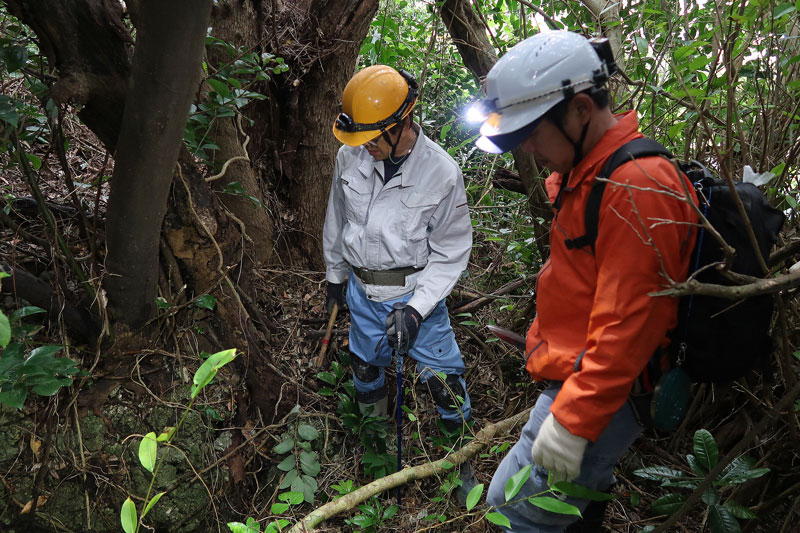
pixel 326 340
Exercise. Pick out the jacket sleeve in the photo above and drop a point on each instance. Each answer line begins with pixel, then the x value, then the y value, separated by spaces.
pixel 450 243
pixel 335 266
pixel 644 240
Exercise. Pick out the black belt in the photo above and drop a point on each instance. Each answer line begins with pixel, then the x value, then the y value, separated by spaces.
pixel 395 277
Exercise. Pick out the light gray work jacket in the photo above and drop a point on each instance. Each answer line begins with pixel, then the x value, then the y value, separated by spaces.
pixel 419 219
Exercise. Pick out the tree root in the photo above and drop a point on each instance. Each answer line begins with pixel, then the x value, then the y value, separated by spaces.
pixel 349 501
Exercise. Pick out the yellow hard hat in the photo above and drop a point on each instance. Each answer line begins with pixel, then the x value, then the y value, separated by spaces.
pixel 374 100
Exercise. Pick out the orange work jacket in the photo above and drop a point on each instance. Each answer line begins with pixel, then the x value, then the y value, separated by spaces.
pixel 597 325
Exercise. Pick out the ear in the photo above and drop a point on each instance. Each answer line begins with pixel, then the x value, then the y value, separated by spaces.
pixel 583 106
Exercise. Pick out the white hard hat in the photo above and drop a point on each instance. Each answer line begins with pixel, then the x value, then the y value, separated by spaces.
pixel 533 77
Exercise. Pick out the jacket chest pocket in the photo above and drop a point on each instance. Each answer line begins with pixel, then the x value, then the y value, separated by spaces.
pixel 417 211
pixel 357 193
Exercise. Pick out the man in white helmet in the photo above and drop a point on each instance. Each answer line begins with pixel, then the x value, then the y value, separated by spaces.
pixel 596 326
pixel 397 232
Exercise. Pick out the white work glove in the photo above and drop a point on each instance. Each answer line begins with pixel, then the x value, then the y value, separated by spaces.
pixel 558 450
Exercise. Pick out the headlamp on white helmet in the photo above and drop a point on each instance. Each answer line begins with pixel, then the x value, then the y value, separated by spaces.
pixel 534 76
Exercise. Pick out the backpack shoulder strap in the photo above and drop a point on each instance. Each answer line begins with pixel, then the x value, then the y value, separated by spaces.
pixel 635 149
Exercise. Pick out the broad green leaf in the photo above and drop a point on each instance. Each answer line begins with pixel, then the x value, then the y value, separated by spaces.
pixel 22 312
pixel 290 477
pixel 705 449
pixel 498 519
pixel 739 511
pixel 515 482
pixel 284 446
pixel 667 504
pixel 554 505
pixel 148 451
pixel 288 463
pixel 474 496
pixel 721 521
pixel 660 473
pixel 5 330
pixel 390 512
pixel 14 396
pixel 151 503
pixel 209 369
pixel 206 301
pixel 280 508
pixel 219 86
pixel 238 527
pixel 49 386
pixel 578 491
pixel 8 111
pixel 327 377
pixel 127 516
pixel 307 432
pixel 292 498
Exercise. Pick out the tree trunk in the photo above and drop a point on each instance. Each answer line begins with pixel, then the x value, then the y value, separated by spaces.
pixel 469 36
pixel 162 89
pixel 319 40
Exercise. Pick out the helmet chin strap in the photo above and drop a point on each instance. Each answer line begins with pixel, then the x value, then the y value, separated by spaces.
pixel 394 145
pixel 577 146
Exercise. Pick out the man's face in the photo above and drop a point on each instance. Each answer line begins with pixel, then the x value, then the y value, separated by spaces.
pixel 549 148
pixel 378 148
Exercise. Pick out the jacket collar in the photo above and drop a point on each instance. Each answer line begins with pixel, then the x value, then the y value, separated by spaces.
pixel 405 178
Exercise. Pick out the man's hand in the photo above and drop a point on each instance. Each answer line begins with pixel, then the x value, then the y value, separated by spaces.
pixel 558 450
pixel 334 295
pixel 403 322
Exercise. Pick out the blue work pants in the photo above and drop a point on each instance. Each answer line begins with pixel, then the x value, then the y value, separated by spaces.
pixel 435 349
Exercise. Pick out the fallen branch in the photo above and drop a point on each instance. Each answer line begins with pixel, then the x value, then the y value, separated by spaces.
pixel 757 288
pixel 349 501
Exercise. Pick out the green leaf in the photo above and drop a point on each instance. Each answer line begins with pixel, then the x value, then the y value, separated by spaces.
pixel 390 512
pixel 578 491
pixel 292 498
pixel 128 516
pixel 667 504
pixel 279 508
pixel 307 432
pixel 290 478
pixel 219 86
pixel 284 446
pixel 209 369
pixel 474 496
pixel 288 463
pixel 554 505
pixel 721 521
pixel 739 511
pixel 14 396
pixel 498 519
pixel 206 301
pixel 705 449
pixel 327 377
pixel 515 482
pixel 151 503
pixel 660 473
pixel 148 451
pixel 22 312
pixel 8 111
pixel 167 434
pixel 5 330
pixel 35 161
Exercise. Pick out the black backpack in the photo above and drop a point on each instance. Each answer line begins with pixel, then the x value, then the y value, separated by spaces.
pixel 716 339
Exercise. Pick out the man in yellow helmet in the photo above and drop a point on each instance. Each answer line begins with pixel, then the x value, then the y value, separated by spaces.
pixel 398 224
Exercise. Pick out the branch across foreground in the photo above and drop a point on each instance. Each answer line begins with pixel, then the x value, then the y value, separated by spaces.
pixel 349 501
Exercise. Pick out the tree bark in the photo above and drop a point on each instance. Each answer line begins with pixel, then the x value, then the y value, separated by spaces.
pixel 161 90
pixel 469 36
pixel 92 62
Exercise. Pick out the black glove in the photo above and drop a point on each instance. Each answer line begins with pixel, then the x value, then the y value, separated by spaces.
pixel 403 322
pixel 334 295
